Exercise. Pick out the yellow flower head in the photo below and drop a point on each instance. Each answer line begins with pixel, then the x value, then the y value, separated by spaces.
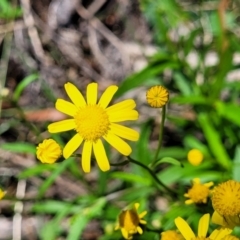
pixel 93 121
pixel 199 192
pixel 157 96
pixel 48 151
pixel 195 157
pixel 2 194
pixel 171 235
pixel 203 225
pixel 129 222
pixel 226 203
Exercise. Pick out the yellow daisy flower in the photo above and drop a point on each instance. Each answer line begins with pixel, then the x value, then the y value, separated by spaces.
pixel 129 222
pixel 226 203
pixel 199 192
pixel 195 157
pixel 171 235
pixel 203 225
pixel 157 96
pixel 48 151
pixel 2 194
pixel 93 121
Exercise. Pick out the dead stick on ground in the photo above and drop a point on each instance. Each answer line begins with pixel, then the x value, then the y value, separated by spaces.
pixel 33 34
pixel 100 27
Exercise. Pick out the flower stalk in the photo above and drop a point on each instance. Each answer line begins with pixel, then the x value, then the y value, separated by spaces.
pixel 160 140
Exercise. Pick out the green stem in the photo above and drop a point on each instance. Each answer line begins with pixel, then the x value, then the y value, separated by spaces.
pixel 160 135
pixel 170 191
pixel 120 164
pixel 153 230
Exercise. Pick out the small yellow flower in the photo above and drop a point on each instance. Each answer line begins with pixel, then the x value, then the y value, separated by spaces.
pixel 129 222
pixel 195 157
pixel 93 121
pixel 157 96
pixel 226 203
pixel 199 192
pixel 48 151
pixel 171 235
pixel 203 226
pixel 2 194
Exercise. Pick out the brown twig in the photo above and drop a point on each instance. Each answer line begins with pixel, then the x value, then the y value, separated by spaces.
pixel 100 27
pixel 33 34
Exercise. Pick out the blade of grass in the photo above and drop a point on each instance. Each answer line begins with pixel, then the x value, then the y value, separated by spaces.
pixel 22 85
pixel 49 181
pixel 214 140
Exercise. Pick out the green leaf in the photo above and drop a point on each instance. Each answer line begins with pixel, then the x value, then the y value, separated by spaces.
pixel 139 78
pixel 19 147
pixel 7 11
pixel 191 99
pixel 80 220
pixel 52 229
pixel 183 84
pixel 130 177
pixel 79 223
pixel 170 160
pixel 214 140
pixel 174 174
pixel 174 152
pixel 50 207
pixel 229 111
pixel 236 165
pixel 36 170
pixel 192 142
pixel 22 85
pixel 143 153
pixel 49 181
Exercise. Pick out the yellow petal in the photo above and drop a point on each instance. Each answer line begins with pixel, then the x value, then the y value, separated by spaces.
pixel 92 89
pixel 124 132
pixel 141 215
pixel 136 205
pixel 118 144
pixel 62 126
pixel 86 156
pixel 218 219
pixel 219 234
pixel 142 221
pixel 107 96
pixel 139 229
pixel 184 228
pixel 101 156
pixel 66 107
pixel 125 233
pixel 75 95
pixel 203 225
pixel 189 201
pixel 128 104
pixel 72 145
pixel 123 116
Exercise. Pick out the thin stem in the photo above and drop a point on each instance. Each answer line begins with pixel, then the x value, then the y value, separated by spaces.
pixel 153 230
pixel 120 163
pixel 6 52
pixel 173 193
pixel 160 135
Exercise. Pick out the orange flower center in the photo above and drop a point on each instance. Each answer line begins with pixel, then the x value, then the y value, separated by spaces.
pixel 92 122
pixel 226 198
pixel 129 220
pixel 198 193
